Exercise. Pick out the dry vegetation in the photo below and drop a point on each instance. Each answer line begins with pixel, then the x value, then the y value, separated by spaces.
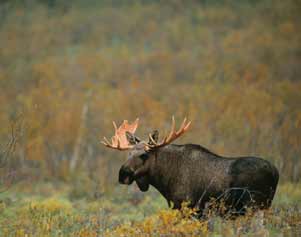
pixel 47 210
pixel 68 68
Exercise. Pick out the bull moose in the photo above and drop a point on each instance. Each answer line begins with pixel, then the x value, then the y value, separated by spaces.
pixel 191 173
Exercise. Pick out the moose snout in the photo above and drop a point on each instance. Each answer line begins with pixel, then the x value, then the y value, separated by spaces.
pixel 126 175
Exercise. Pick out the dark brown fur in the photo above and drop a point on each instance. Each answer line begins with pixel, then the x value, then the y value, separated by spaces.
pixel 194 174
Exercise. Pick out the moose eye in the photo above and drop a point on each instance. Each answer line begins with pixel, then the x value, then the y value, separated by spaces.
pixel 144 156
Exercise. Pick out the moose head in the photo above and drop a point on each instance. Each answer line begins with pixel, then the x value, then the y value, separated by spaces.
pixel 141 154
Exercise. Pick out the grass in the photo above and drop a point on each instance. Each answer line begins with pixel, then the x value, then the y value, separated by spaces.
pixel 127 212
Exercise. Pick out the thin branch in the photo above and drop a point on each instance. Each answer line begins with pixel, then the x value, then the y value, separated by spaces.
pixel 10 147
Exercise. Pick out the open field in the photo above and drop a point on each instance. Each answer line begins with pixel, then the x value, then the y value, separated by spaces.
pixel 48 210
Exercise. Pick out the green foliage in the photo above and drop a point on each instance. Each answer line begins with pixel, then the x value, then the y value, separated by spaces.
pixel 32 212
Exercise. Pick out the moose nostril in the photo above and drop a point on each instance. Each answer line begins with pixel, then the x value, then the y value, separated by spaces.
pixel 125 174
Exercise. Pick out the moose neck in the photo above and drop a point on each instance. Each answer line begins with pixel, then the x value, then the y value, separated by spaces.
pixel 172 167
pixel 164 168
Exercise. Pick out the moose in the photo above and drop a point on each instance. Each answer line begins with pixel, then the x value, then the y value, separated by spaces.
pixel 191 173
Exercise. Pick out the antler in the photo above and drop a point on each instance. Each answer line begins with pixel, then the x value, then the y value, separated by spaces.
pixel 173 135
pixel 119 140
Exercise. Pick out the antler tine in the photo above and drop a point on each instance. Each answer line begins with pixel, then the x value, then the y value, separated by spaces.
pixel 187 126
pixel 166 137
pixel 182 125
pixel 119 140
pixel 173 135
pixel 151 138
pixel 172 132
pixel 115 126
pixel 106 141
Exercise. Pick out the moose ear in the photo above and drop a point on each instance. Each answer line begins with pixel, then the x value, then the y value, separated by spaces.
pixel 153 137
pixel 132 139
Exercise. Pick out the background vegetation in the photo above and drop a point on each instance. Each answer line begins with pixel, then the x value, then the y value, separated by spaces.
pixel 68 68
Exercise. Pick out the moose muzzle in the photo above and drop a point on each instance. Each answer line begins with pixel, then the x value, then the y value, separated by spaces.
pixel 126 175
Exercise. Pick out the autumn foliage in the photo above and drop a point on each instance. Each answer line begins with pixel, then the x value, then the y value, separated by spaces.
pixel 69 69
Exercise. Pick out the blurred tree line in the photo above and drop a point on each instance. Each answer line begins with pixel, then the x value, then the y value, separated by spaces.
pixel 70 68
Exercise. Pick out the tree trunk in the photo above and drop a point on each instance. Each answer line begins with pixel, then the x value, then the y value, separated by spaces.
pixel 78 143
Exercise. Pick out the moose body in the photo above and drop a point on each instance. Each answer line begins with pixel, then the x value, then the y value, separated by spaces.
pixel 191 173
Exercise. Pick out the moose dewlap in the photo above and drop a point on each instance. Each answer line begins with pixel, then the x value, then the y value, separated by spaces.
pixel 191 173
